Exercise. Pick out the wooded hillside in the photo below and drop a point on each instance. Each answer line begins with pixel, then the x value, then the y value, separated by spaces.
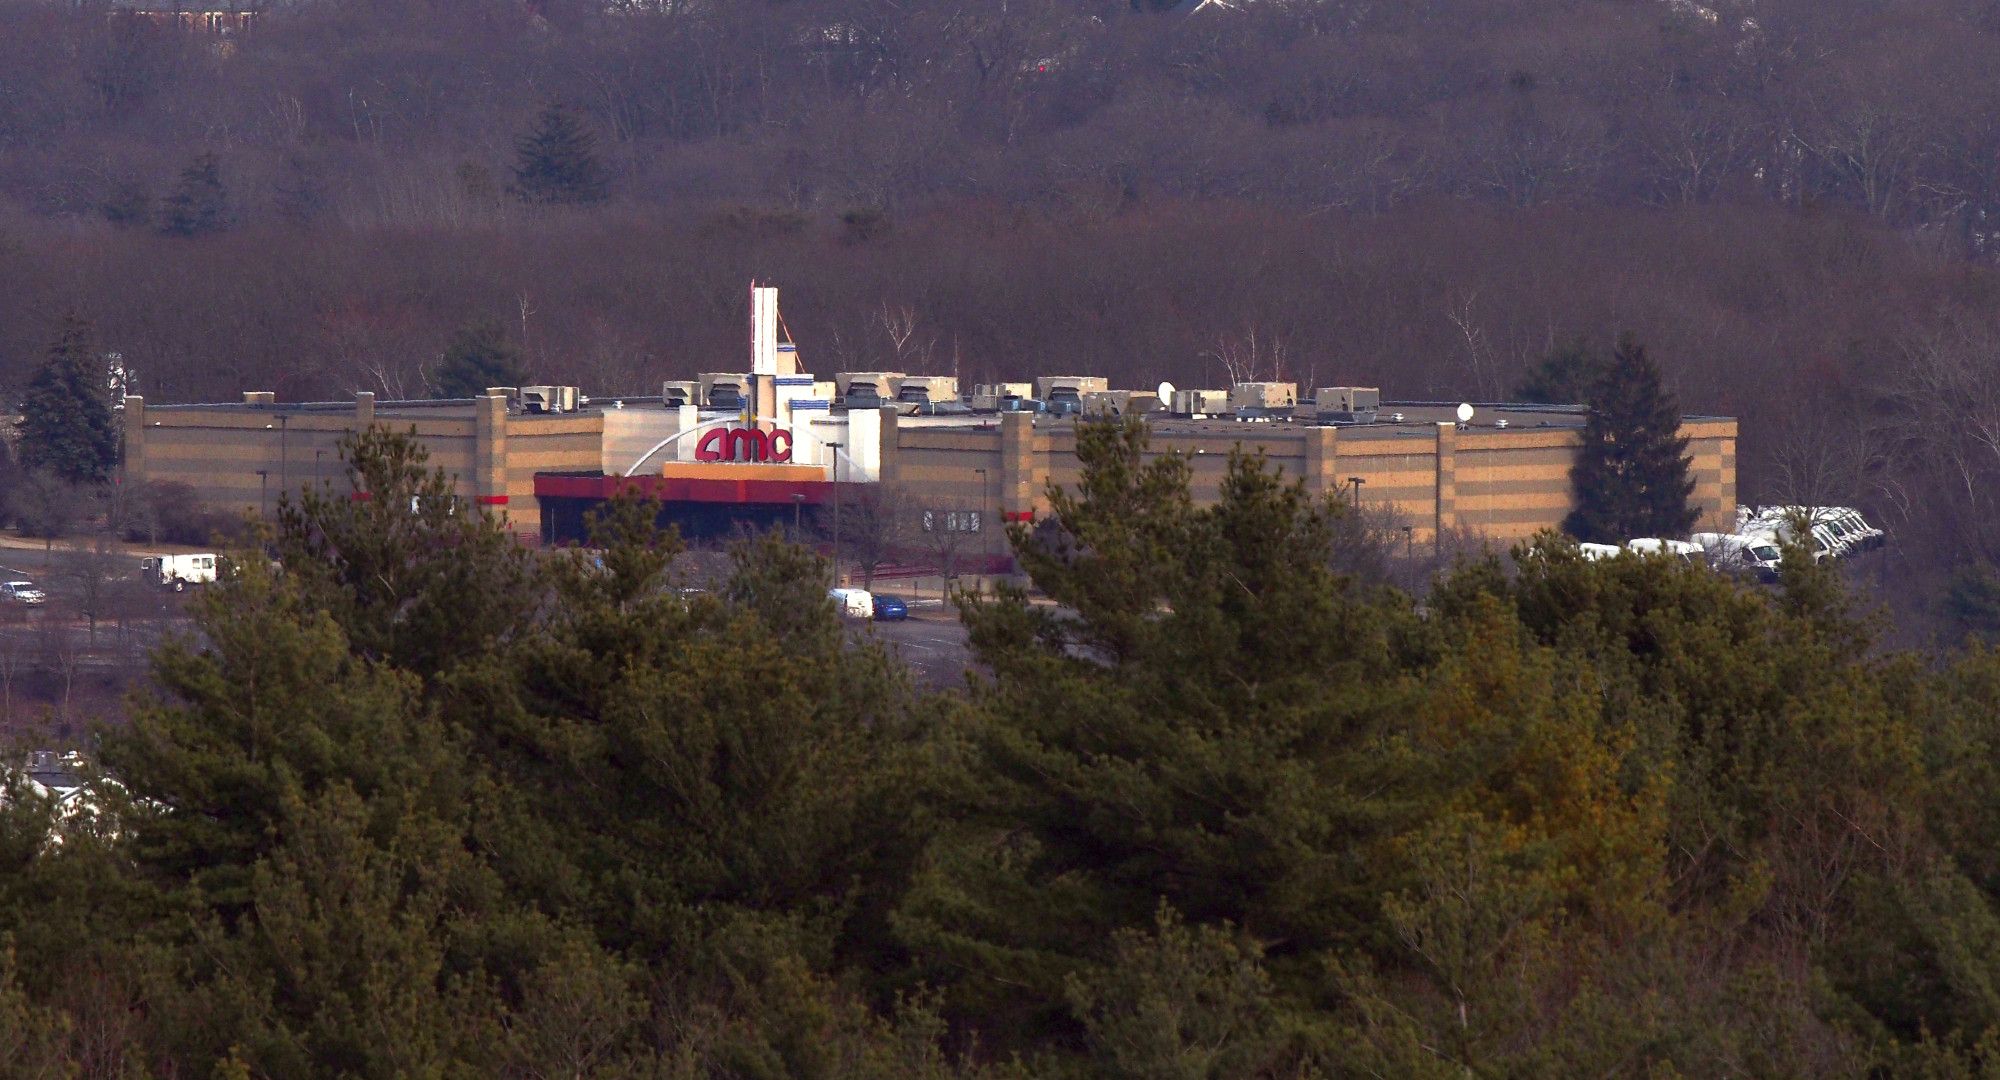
pixel 1790 203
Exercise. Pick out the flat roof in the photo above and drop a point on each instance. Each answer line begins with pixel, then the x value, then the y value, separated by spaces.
pixel 1414 415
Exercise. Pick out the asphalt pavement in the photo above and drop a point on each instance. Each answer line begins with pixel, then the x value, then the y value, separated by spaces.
pixel 931 641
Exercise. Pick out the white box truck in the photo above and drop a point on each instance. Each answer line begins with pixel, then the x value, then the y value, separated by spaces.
pixel 177 572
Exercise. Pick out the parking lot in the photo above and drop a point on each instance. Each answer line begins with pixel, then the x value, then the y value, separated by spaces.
pixel 931 641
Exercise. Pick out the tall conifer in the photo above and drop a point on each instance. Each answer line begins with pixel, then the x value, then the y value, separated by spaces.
pixel 66 422
pixel 557 161
pixel 200 203
pixel 479 356
pixel 1631 478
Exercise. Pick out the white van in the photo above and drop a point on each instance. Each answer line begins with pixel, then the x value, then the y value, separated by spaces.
pixel 1599 552
pixel 1679 549
pixel 177 572
pixel 1756 553
pixel 853 603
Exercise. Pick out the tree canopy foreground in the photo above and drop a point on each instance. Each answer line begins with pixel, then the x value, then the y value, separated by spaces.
pixel 1220 809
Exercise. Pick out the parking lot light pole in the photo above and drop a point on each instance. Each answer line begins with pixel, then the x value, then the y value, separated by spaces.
pixel 263 488
pixel 798 500
pixel 985 525
pixel 1357 482
pixel 1410 554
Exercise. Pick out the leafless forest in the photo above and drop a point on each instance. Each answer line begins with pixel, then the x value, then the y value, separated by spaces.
pixel 1792 203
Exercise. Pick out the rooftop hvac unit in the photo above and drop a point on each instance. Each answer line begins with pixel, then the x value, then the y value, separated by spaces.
pixel 1263 396
pixel 675 394
pixel 926 389
pixel 1120 403
pixel 992 397
pixel 866 389
pixel 724 390
pixel 1199 402
pixel 549 399
pixel 1069 386
pixel 1064 393
pixel 1347 404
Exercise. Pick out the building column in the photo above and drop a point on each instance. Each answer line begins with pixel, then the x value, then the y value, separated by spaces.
pixel 135 439
pixel 885 468
pixel 1447 482
pixel 1725 512
pixel 1322 465
pixel 489 451
pixel 1018 486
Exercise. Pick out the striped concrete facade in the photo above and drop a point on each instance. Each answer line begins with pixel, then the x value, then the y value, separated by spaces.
pixel 242 458
pixel 1500 482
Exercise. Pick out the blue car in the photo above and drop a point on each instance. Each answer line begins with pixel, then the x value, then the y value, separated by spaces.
pixel 888 607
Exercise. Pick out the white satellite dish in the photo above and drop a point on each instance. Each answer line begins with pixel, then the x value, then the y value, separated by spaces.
pixel 1166 393
pixel 1464 412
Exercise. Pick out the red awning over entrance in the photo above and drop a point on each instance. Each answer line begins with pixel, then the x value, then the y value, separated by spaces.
pixel 687 489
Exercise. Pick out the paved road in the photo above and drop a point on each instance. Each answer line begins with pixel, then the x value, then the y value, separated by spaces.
pixel 931 642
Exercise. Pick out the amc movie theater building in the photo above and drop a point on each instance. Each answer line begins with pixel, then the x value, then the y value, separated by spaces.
pixel 760 446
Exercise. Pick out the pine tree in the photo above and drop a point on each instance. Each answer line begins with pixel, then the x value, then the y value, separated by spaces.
pixel 1567 376
pixel 478 357
pixel 1195 722
pixel 200 204
pixel 1631 476
pixel 67 426
pixel 556 162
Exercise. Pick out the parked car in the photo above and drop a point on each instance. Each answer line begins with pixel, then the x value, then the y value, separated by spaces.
pixel 22 592
pixel 890 608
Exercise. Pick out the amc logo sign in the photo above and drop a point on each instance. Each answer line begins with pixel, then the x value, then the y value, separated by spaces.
pixel 744 444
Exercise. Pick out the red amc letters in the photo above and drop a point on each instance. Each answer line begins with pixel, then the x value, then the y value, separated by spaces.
pixel 744 444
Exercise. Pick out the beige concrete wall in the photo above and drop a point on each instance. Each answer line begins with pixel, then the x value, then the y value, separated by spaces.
pixel 491 458
pixel 1512 484
pixel 545 444
pixel 1506 484
pixel 219 452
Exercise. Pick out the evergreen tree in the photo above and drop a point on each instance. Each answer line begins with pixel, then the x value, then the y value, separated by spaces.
pixel 67 426
pixel 414 577
pixel 556 162
pixel 1631 475
pixel 1567 376
pixel 200 203
pixel 127 205
pixel 479 356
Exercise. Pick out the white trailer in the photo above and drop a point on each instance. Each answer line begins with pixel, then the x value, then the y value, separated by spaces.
pixel 177 572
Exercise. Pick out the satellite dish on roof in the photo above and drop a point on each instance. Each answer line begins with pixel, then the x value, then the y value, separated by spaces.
pixel 1464 412
pixel 1166 392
